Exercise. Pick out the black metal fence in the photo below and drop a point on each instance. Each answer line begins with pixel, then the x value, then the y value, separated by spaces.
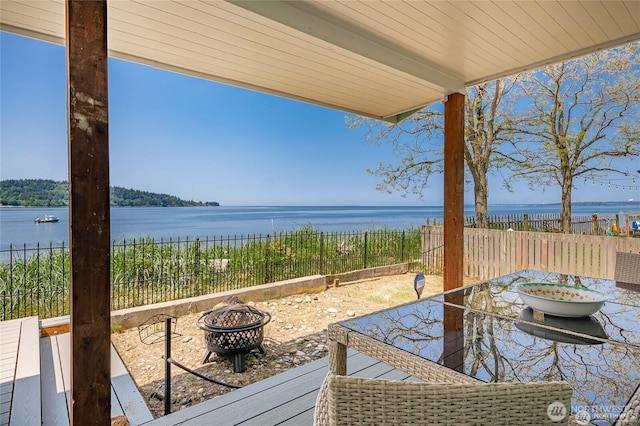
pixel 35 280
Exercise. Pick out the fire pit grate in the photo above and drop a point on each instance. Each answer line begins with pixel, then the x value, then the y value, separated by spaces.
pixel 233 330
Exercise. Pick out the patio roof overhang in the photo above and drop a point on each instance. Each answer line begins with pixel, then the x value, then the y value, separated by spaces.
pixel 379 59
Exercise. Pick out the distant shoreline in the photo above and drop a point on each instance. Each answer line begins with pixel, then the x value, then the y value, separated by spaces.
pixel 50 193
pixel 577 203
pixel 7 206
pixel 17 227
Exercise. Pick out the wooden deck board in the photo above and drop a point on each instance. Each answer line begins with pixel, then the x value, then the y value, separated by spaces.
pixel 285 412
pixel 4 417
pixel 300 410
pixel 20 372
pixel 239 394
pixel 192 414
pixel 125 396
pixel 56 355
pixel 116 408
pixel 285 399
pixel 303 418
pixel 54 399
pixel 8 368
pixel 9 339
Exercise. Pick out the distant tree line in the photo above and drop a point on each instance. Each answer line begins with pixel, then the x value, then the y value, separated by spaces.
pixel 50 193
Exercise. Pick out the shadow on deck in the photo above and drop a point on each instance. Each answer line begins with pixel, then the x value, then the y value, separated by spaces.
pixel 35 373
pixel 285 399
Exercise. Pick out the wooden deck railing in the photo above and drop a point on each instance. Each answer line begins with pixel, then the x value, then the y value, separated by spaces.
pixel 492 253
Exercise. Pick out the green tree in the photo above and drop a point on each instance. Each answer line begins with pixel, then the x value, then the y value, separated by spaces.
pixel 581 115
pixel 418 143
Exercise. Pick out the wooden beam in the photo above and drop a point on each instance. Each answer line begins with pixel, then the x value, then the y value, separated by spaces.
pixel 89 235
pixel 453 190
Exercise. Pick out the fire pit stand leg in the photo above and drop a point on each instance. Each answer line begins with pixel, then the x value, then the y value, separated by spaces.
pixel 205 357
pixel 238 360
pixel 238 363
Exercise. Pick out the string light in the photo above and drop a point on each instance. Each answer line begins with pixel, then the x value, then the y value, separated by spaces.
pixel 629 183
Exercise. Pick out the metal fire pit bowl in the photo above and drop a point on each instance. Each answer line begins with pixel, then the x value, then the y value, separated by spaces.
pixel 233 330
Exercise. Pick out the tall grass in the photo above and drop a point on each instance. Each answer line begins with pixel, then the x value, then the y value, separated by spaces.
pixel 35 283
pixel 145 271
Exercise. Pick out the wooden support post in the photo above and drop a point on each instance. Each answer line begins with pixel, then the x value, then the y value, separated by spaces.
pixel 89 217
pixel 453 190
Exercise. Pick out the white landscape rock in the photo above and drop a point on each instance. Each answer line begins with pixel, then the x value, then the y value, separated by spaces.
pixel 219 265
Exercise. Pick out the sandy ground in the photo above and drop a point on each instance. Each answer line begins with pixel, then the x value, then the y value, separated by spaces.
pixel 295 335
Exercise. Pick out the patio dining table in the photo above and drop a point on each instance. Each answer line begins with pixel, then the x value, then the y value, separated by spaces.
pixel 485 332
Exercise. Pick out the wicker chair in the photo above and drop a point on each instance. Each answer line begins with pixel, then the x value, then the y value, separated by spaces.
pixel 627 271
pixel 345 400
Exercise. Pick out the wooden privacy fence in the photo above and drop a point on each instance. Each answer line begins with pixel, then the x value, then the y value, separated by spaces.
pixel 490 253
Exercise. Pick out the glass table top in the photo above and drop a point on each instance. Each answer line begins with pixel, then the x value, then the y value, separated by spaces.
pixel 618 317
pixel 618 292
pixel 486 332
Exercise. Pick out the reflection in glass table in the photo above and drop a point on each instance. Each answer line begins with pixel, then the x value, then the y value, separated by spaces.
pixel 485 332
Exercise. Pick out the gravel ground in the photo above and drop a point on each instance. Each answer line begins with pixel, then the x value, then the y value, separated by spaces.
pixel 296 335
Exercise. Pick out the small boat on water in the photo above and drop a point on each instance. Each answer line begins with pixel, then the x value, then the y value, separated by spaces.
pixel 47 219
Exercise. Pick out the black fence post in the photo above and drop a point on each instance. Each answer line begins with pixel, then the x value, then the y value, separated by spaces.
pixel 5 317
pixel 38 283
pixel 167 365
pixel 136 269
pixel 321 266
pixel 124 262
pixel 146 274
pixel 402 250
pixel 366 239
pixel 48 291
pixel 196 267
pixel 64 274
pixel 267 268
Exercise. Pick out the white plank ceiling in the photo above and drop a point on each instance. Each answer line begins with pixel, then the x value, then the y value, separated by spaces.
pixel 374 58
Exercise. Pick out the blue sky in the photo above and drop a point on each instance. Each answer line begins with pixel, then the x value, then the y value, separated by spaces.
pixel 206 141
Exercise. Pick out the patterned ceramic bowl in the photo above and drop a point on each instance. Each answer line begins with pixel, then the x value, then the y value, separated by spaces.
pixel 560 299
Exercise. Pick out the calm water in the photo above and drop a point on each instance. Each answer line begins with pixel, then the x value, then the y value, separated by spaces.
pixel 17 225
